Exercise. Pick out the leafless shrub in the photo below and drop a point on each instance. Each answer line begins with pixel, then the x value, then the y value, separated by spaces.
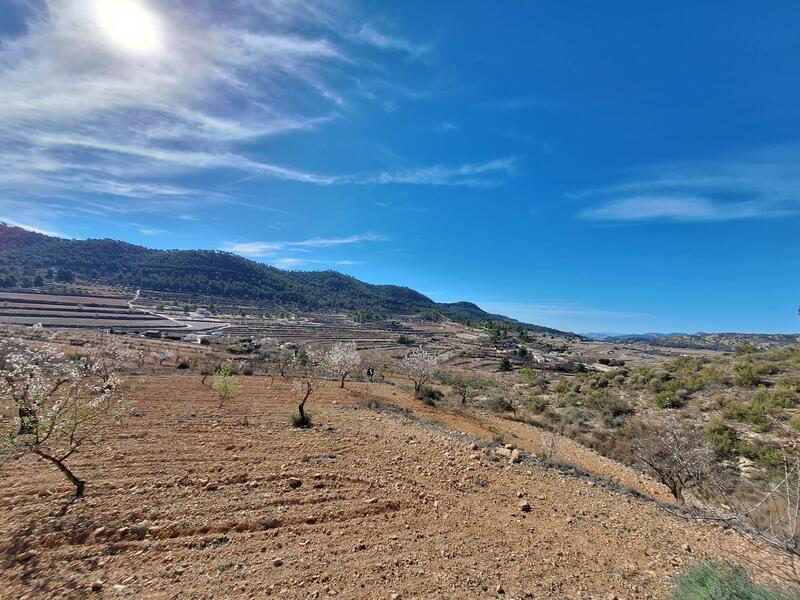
pixel 548 442
pixel 677 455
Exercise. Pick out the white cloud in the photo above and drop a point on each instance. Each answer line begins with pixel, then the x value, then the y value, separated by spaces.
pixel 99 130
pixel 293 262
pixel 151 231
pixel 486 174
pixel 383 41
pixel 650 208
pixel 271 248
pixel 757 183
pixel 446 126
pixel 33 228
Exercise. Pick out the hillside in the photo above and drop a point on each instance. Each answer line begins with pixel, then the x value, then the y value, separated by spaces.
pixel 24 255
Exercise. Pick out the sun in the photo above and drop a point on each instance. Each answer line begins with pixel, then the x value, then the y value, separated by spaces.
pixel 130 25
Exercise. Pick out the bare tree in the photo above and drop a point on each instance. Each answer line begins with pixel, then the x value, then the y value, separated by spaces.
pixel 307 368
pixel 61 404
pixel 460 385
pixel 283 360
pixel 677 455
pixel 163 356
pixel 342 359
pixel 419 366
pixel 767 514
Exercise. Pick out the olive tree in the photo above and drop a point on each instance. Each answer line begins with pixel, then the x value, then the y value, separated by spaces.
pixel 342 359
pixel 61 404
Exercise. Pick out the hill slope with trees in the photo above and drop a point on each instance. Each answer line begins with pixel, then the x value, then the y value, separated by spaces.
pixel 28 258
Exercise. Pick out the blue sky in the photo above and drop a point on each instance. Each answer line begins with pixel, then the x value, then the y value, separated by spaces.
pixel 615 167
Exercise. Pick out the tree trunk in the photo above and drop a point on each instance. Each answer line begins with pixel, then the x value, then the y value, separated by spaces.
pixel 27 421
pixel 344 375
pixel 78 483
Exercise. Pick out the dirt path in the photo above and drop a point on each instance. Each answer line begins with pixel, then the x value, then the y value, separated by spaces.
pixel 188 501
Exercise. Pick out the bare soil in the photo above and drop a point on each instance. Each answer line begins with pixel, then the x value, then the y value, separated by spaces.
pixel 191 501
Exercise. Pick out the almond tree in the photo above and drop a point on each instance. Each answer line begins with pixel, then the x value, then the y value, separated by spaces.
pixel 342 359
pixel 420 367
pixel 307 368
pixel 61 404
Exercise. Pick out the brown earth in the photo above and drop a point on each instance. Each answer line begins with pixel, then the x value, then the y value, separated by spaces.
pixel 191 501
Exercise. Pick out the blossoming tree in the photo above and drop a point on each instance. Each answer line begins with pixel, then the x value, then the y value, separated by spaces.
pixel 342 359
pixel 420 367
pixel 61 403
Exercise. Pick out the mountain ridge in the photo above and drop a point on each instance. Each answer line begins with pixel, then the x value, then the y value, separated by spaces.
pixel 25 254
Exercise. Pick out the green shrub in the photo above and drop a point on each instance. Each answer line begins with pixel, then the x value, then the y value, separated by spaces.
pixel 430 396
pixel 301 421
pixel 725 581
pixel 669 399
pixel 723 439
pixel 538 404
pixel 746 348
pixel 745 375
pixel 762 454
pixel 795 422
pixel 505 365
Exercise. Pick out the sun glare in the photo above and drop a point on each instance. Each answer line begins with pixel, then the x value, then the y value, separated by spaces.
pixel 129 25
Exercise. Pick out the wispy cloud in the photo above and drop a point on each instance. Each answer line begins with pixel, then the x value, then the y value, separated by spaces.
pixel 33 228
pixel 651 208
pixel 96 129
pixel 272 248
pixel 445 126
pixel 293 262
pixel 151 231
pixel 759 183
pixel 547 310
pixel 486 174
pixel 370 35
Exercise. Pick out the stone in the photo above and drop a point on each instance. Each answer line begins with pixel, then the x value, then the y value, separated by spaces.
pixel 515 457
pixel 294 482
pixel 524 505
pixel 97 586
pixel 26 556
pixel 503 452
pixel 211 486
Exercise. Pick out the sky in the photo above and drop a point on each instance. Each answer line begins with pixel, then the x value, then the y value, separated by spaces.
pixel 597 167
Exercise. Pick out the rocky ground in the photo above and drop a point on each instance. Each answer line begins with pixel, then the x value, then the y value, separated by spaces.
pixel 191 501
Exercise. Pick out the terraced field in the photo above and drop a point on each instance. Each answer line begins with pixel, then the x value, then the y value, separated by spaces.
pixel 190 501
pixel 77 311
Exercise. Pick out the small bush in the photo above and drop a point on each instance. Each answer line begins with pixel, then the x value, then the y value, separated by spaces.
pixel 725 581
pixel 795 422
pixel 745 375
pixel 669 399
pixel 538 404
pixel 505 365
pixel 723 439
pixel 301 421
pixel 430 396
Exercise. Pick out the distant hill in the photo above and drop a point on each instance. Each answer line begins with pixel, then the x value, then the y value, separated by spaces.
pixel 707 341
pixel 25 255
